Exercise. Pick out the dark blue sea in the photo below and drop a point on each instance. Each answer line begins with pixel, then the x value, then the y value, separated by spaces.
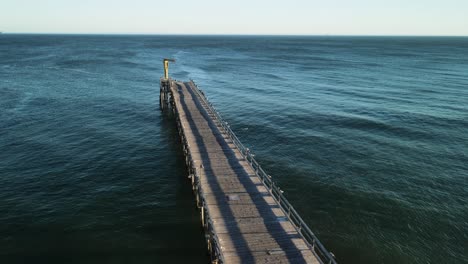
pixel 367 136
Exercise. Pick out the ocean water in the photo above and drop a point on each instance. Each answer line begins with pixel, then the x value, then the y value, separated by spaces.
pixel 367 136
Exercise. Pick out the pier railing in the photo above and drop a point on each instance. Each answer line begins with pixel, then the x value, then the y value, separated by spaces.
pixel 317 247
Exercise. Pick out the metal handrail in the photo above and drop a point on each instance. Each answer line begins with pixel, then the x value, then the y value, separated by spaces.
pixel 315 245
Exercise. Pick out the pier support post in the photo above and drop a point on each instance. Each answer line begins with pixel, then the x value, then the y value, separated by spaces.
pixel 164 94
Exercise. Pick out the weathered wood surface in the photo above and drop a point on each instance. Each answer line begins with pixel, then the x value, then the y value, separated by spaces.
pixel 249 223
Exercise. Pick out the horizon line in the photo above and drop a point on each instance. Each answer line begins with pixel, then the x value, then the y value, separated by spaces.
pixel 227 34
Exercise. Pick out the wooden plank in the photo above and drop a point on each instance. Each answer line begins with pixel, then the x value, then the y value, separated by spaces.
pixel 253 225
pixel 244 211
pixel 242 198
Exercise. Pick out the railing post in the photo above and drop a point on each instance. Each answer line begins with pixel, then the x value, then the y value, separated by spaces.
pixel 203 216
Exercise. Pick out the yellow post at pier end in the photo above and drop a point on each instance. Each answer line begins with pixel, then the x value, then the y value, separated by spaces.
pixel 166 67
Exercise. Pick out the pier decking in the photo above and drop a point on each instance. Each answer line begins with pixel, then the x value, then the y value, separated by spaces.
pixel 245 215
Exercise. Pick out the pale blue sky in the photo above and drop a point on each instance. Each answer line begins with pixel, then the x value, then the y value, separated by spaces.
pixel 295 17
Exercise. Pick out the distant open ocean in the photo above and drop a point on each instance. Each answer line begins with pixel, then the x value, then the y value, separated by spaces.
pixel 367 136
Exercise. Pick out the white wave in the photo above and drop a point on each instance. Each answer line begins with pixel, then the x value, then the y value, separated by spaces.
pixel 184 66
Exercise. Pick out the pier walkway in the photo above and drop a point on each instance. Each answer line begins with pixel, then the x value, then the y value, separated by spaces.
pixel 245 215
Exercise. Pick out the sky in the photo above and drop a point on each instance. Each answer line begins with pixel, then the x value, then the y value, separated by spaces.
pixel 245 17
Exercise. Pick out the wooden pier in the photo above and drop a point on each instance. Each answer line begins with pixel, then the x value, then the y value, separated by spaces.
pixel 245 215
